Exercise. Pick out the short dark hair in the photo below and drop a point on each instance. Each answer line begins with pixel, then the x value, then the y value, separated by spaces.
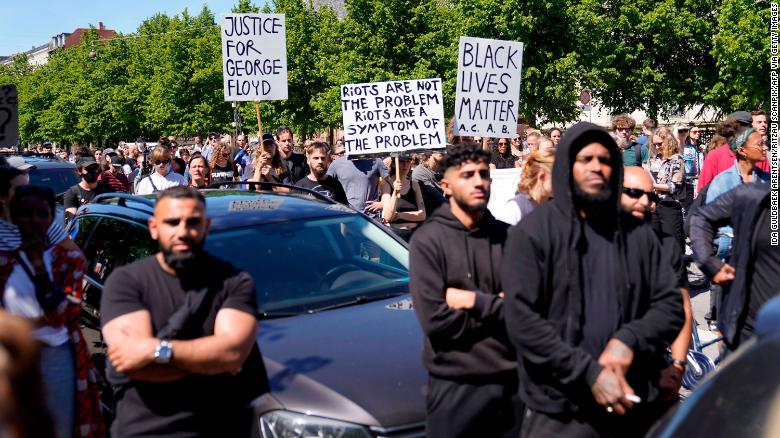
pixel 42 192
pixel 281 130
pixel 462 153
pixel 758 112
pixel 649 124
pixel 181 192
pixel 6 175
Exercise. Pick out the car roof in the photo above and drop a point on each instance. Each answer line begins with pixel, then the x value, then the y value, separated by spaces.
pixel 43 161
pixel 226 208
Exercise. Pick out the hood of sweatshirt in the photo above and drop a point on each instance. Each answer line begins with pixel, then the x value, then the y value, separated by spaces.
pixel 576 138
pixel 444 216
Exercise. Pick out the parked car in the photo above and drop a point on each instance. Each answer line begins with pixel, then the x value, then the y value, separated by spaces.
pixel 340 341
pixel 742 398
pixel 49 171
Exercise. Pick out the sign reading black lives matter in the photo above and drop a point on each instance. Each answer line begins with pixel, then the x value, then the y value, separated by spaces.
pixel 395 116
pixel 488 92
pixel 254 57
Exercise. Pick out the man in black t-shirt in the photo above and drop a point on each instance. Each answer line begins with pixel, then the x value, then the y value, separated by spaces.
pixel 199 379
pixel 86 190
pixel 318 159
pixel 295 163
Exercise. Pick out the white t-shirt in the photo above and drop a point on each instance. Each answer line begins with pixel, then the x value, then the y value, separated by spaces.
pixel 509 213
pixel 19 299
pixel 159 183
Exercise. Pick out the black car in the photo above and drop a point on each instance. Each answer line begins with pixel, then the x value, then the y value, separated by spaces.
pixel 340 342
pixel 49 171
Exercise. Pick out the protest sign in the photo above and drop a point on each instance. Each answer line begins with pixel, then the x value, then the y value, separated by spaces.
pixel 486 100
pixel 503 186
pixel 9 115
pixel 395 116
pixel 254 57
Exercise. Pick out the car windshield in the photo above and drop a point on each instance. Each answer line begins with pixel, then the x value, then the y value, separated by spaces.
pixel 315 264
pixel 59 180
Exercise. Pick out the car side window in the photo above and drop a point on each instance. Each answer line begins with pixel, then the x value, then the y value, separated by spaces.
pixel 116 243
pixel 81 229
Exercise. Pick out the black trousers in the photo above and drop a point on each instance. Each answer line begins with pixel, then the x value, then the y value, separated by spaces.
pixel 468 409
pixel 593 423
pixel 669 216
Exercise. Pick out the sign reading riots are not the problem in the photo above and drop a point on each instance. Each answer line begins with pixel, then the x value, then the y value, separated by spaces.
pixel 254 57
pixel 487 97
pixel 394 116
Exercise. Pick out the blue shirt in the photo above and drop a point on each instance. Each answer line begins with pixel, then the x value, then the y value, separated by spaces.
pixel 724 182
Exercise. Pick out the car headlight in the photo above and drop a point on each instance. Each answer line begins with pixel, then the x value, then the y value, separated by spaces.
pixel 286 424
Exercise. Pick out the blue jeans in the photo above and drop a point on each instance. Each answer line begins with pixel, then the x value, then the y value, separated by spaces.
pixel 58 370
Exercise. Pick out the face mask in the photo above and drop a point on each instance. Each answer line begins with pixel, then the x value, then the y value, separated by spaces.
pixel 89 177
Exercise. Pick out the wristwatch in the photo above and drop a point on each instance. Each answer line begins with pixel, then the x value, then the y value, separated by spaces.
pixel 163 352
pixel 680 363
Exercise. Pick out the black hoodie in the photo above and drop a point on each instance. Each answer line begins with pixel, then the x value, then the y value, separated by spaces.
pixel 544 298
pixel 461 344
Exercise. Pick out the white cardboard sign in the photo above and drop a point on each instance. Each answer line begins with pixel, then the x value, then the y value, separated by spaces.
pixel 503 186
pixel 395 116
pixel 254 57
pixel 488 93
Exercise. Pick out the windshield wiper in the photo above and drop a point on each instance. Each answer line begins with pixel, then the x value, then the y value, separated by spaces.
pixel 274 315
pixel 357 300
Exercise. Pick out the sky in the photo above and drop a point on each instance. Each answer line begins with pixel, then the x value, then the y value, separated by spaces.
pixel 28 23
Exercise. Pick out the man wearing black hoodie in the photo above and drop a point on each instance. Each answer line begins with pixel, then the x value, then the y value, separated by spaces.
pixel 591 305
pixel 454 262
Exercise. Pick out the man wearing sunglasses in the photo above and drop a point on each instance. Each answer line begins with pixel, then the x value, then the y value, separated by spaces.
pixel 162 177
pixel 639 199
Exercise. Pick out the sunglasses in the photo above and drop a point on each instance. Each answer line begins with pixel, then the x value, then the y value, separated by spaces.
pixel 502 143
pixel 338 154
pixel 658 145
pixel 158 162
pixel 638 193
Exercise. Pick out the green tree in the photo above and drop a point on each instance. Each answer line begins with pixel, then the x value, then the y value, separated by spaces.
pixel 645 54
pixel 741 51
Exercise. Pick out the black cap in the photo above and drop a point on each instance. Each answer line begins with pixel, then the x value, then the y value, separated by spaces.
pixel 86 162
pixel 742 117
pixel 268 137
pixel 116 160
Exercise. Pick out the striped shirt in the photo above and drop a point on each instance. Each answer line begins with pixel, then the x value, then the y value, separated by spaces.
pixel 11 238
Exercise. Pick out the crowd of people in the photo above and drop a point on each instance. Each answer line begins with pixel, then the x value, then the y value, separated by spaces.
pixel 563 312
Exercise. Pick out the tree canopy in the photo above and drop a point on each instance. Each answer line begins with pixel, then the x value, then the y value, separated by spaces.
pixel 166 78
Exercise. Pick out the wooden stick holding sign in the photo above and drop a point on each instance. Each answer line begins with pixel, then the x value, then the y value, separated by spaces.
pixel 398 174
pixel 259 123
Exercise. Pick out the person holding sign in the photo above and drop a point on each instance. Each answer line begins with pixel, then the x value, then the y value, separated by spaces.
pixel 267 163
pixel 455 284
pixel 403 208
